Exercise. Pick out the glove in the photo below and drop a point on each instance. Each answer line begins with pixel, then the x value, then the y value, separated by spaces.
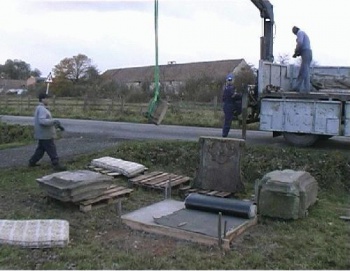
pixel 296 53
pixel 58 125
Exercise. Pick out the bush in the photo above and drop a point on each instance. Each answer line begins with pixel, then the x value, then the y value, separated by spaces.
pixel 11 133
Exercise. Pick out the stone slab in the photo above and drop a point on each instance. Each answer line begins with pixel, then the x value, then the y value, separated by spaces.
pixel 220 164
pixel 41 233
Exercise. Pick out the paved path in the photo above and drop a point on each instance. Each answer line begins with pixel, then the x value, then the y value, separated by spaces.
pixel 88 136
pixel 67 147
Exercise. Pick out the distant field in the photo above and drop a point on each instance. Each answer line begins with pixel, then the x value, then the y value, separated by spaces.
pixel 178 113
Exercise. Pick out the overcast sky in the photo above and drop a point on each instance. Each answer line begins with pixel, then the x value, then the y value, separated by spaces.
pixel 119 34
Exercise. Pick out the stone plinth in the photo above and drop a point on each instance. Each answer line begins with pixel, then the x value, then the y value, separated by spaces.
pixel 286 194
pixel 220 164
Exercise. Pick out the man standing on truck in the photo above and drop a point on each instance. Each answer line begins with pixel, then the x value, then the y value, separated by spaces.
pixel 232 104
pixel 303 49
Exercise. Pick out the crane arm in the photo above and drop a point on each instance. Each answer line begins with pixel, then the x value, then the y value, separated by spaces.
pixel 266 41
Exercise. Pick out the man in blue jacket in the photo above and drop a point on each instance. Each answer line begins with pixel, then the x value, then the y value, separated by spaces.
pixel 303 49
pixel 232 104
pixel 45 132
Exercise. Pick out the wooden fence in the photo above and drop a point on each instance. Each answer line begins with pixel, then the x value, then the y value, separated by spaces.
pixel 64 106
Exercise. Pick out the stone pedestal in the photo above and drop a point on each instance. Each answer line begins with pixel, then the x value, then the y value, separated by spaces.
pixel 220 164
pixel 286 194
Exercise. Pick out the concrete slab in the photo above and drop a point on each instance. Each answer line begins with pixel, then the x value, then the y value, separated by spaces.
pixel 191 225
pixel 147 214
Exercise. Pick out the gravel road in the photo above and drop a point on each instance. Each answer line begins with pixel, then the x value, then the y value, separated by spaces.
pixel 69 146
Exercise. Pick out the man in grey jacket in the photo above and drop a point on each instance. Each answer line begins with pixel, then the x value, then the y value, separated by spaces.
pixel 45 132
pixel 303 49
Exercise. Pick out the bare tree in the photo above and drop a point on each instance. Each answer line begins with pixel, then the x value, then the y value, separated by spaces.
pixel 283 59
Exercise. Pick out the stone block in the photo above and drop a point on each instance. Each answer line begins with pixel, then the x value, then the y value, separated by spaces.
pixel 220 164
pixel 285 194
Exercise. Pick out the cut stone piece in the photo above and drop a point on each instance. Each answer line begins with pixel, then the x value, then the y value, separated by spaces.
pixel 285 194
pixel 127 168
pixel 220 164
pixel 40 233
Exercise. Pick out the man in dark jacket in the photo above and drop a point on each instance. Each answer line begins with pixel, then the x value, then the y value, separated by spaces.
pixel 45 132
pixel 232 104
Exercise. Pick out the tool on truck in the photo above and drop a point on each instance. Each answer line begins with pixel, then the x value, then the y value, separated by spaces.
pixel 301 118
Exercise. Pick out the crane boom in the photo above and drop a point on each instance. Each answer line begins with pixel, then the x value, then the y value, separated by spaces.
pixel 266 41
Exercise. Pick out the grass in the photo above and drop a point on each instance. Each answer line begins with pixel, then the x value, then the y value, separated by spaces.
pixel 178 113
pixel 99 241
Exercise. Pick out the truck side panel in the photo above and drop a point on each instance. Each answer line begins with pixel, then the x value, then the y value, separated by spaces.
pixel 347 119
pixel 282 77
pixel 273 74
pixel 301 116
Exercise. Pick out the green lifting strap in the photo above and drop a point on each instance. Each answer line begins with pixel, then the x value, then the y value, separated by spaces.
pixel 155 99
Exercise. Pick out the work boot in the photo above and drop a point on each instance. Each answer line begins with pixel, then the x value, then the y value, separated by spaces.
pixel 59 167
pixel 31 164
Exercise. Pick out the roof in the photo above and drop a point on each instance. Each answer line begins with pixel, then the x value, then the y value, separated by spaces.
pixel 12 83
pixel 175 72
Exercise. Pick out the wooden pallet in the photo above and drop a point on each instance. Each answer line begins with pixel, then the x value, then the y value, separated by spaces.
pixel 159 180
pixel 104 171
pixel 186 190
pixel 110 196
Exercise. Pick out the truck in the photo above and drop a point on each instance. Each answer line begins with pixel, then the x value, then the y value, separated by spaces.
pixel 301 118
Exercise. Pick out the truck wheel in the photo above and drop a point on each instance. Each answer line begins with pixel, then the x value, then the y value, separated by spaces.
pixel 325 137
pixel 300 140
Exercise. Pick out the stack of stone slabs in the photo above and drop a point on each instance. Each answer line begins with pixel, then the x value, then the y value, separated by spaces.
pixel 126 168
pixel 75 186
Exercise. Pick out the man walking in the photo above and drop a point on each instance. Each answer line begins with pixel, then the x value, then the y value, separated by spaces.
pixel 45 132
pixel 303 49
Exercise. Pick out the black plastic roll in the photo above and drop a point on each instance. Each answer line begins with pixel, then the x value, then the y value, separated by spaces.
pixel 233 207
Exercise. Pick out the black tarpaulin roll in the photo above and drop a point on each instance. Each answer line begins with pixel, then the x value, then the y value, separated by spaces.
pixel 233 207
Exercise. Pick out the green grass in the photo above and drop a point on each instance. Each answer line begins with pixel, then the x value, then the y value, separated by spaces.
pixel 98 240
pixel 178 113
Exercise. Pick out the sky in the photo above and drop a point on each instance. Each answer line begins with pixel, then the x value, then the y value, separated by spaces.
pixel 120 34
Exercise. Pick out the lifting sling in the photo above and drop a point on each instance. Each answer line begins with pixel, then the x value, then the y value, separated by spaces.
pixel 157 107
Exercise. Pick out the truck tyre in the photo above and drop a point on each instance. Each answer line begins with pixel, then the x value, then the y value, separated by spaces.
pixel 300 140
pixel 325 137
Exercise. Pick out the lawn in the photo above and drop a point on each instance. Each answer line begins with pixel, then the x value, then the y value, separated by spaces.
pixel 98 240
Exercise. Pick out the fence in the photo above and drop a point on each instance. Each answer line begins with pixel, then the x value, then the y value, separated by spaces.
pixel 117 109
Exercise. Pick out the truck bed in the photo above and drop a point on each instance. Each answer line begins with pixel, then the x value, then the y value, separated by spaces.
pixel 331 95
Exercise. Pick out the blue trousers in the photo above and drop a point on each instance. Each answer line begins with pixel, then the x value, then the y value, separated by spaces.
pixel 303 80
pixel 231 110
pixel 48 146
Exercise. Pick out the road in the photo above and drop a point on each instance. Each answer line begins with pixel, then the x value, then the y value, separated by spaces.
pixel 137 131
pixel 86 136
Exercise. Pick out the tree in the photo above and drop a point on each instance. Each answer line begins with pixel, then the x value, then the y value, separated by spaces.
pixel 35 73
pixel 77 68
pixel 15 69
pixel 283 59
pixel 244 77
